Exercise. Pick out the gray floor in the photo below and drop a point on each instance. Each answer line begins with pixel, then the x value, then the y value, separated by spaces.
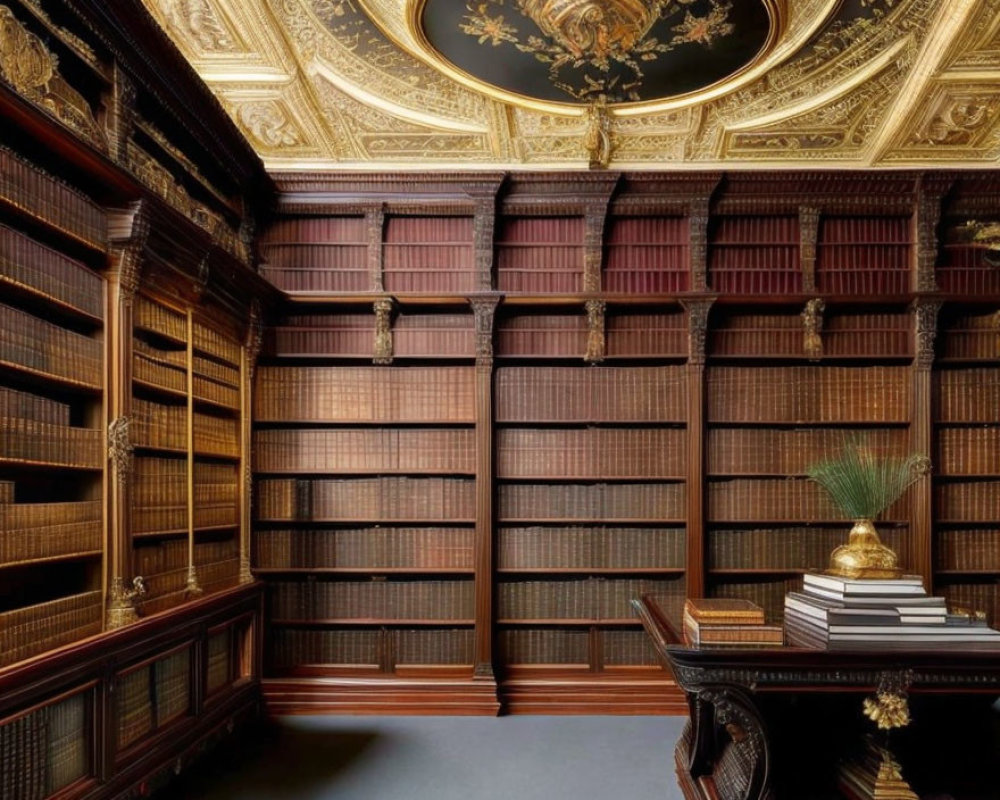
pixel 443 758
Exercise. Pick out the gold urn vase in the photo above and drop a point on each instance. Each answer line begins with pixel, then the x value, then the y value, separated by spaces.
pixel 864 555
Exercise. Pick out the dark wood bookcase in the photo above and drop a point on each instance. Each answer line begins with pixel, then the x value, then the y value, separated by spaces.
pixel 650 364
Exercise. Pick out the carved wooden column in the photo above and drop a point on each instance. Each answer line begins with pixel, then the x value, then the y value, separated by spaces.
pixel 191 587
pixel 119 115
pixel 698 233
pixel 808 237
pixel 248 365
pixel 812 327
pixel 926 218
pixel 374 223
pixel 596 341
pixel 131 227
pixel 483 231
pixel 594 216
pixel 925 313
pixel 697 311
pixel 484 309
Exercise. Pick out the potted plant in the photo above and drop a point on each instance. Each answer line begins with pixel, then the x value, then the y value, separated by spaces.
pixel 863 484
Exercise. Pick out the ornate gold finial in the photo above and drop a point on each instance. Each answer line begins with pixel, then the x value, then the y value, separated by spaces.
pixel 122 609
pixel 889 708
pixel 812 322
pixel 595 331
pixel 192 587
pixel 598 136
pixel 383 333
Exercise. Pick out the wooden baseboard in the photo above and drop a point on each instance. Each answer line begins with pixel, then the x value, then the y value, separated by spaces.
pixel 427 696
pixel 466 696
pixel 591 695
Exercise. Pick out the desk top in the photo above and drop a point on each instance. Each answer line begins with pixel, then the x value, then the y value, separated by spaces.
pixel 784 668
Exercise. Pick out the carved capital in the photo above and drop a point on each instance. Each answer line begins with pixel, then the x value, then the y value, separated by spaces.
pixel 808 237
pixel 925 315
pixel 697 311
pixel 595 331
pixel 120 450
pixel 812 324
pixel 383 331
pixel 484 309
pixel 374 225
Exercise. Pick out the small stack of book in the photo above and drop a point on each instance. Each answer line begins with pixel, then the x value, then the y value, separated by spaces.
pixel 863 613
pixel 727 622
pixel 875 776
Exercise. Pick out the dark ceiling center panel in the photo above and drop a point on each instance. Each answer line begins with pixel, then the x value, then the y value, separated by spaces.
pixel 582 51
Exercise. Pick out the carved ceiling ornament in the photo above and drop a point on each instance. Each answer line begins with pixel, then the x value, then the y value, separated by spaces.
pixel 32 70
pixel 200 22
pixel 269 124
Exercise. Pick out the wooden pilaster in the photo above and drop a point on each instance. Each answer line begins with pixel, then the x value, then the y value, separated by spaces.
pixel 925 314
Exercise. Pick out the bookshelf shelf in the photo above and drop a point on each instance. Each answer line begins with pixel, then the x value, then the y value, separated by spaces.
pixel 374 622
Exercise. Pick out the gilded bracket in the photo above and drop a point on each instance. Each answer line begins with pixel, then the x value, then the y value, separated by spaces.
pixel 812 323
pixel 122 602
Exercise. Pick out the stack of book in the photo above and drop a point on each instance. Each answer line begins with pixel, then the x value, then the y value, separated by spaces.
pixel 874 776
pixel 723 621
pixel 833 612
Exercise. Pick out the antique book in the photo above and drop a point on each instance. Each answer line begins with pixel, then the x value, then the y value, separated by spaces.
pixel 724 611
pixel 699 634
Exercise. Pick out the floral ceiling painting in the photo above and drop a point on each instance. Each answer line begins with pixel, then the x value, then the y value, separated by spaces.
pixel 614 51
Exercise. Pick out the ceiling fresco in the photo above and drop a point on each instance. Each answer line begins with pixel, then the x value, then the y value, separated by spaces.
pixel 620 84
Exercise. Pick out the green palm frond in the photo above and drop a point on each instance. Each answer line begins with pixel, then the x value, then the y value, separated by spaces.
pixel 862 483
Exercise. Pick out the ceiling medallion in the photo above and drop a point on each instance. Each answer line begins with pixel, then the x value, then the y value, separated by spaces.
pixel 614 51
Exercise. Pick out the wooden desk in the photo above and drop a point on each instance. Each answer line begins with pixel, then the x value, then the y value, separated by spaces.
pixel 771 723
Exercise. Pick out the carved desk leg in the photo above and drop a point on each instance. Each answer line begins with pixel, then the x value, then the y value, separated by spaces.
pixel 724 750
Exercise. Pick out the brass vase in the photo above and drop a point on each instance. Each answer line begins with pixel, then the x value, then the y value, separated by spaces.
pixel 864 555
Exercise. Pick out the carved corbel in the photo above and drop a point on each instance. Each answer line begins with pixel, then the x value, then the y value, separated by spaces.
pixel 808 238
pixel 697 311
pixel 925 330
pixel 383 331
pixel 595 331
pixel 812 324
pixel 484 309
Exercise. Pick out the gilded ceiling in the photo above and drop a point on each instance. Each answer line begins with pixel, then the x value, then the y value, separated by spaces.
pixel 625 84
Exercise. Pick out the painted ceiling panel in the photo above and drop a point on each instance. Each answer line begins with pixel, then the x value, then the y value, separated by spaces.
pixel 622 84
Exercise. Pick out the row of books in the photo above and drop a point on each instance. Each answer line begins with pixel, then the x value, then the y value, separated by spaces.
pixel 590 547
pixel 172 686
pixel 25 439
pixel 25 405
pixel 383 498
pixel 792 548
pixel 739 273
pixel 319 279
pixel 762 499
pixel 562 335
pixel 591 453
pixel 47 198
pixel 154 317
pixel 365 647
pixel 790 451
pixel 419 230
pixel 591 394
pixel 668 275
pixel 977 501
pixel 973 336
pixel 808 394
pixel 32 265
pixel 170 589
pixel 421 337
pixel 373 599
pixel 213 392
pixel 967 395
pixel 527 231
pixel 972 549
pixel 170 555
pixel 44 750
pixel 546 273
pixel 169 354
pixel 215 371
pixel 968 451
pixel 219 658
pixel 24 541
pixel 983 596
pixel 365 548
pixel 225 348
pixel 342 230
pixel 791 343
pixel 365 450
pixel 40 346
pixel 365 394
pixel 43 626
pixel 134 706
pixel 766 591
pixel 165 426
pixel 968 274
pixel 591 598
pixel 596 502
pixel 318 257
pixel 153 372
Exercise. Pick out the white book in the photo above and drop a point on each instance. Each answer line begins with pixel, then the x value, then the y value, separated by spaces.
pixel 907 584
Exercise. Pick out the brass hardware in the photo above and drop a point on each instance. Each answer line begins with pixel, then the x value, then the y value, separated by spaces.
pixel 864 555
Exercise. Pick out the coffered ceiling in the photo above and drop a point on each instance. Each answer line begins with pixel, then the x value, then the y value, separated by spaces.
pixel 625 84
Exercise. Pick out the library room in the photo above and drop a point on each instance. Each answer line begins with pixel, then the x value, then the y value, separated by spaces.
pixel 542 399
